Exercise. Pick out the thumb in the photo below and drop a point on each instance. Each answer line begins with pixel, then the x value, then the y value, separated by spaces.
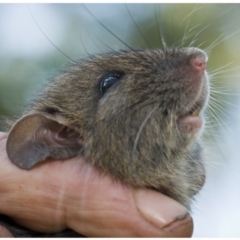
pixel 169 217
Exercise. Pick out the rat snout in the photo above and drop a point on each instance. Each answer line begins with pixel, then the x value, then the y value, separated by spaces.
pixel 198 59
pixel 199 63
pixel 195 89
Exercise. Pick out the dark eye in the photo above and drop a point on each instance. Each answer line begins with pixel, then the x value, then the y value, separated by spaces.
pixel 109 81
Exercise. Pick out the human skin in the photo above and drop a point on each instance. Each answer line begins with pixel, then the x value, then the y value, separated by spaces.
pixel 55 195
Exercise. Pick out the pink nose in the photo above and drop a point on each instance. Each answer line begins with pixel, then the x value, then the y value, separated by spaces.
pixel 199 63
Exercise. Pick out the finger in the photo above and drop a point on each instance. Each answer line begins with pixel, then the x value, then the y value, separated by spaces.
pixel 4 233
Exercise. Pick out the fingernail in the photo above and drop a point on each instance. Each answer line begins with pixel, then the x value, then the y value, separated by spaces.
pixel 158 209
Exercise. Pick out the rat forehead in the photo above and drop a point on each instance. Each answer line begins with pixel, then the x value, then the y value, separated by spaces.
pixel 143 58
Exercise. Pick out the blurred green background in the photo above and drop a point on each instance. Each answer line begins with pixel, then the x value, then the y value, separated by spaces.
pixel 35 38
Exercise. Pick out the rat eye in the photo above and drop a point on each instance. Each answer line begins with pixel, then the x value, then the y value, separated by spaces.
pixel 109 81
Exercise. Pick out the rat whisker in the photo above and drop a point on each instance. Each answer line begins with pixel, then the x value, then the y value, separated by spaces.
pixel 197 34
pixel 224 93
pixel 48 37
pixel 184 33
pixel 190 32
pixel 228 76
pixel 160 30
pixel 199 45
pixel 140 130
pixel 90 56
pixel 95 36
pixel 113 34
pixel 136 25
pixel 220 122
pixel 214 44
pixel 216 71
pixel 196 8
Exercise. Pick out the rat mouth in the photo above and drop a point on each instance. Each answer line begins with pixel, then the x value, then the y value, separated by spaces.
pixel 191 120
pixel 195 110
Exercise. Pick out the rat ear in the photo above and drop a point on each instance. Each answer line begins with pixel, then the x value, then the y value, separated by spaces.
pixel 36 137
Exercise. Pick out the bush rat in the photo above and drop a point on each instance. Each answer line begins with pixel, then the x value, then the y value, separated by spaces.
pixel 137 115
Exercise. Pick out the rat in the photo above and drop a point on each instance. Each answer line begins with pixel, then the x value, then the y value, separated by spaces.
pixel 137 115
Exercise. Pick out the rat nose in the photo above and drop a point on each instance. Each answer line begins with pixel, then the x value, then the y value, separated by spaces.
pixel 199 63
pixel 198 58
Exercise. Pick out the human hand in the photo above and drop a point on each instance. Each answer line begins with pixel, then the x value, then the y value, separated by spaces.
pixel 56 195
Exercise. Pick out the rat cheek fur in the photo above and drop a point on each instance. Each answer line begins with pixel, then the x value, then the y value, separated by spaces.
pixel 142 157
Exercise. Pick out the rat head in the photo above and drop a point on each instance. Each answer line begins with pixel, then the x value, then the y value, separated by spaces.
pixel 136 115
